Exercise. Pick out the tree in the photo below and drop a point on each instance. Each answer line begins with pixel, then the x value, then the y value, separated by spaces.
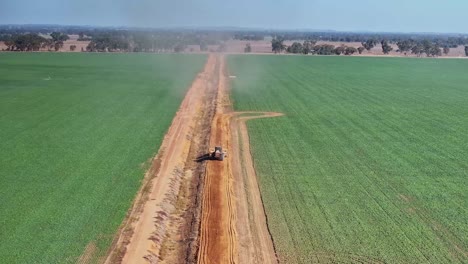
pixel 435 51
pixel 26 42
pixel 10 44
pixel 350 50
pixel 325 49
pixel 369 44
pixel 72 47
pixel 307 47
pixel 446 50
pixel 360 49
pixel 466 51
pixel 427 47
pixel 405 46
pixel 386 48
pixel 417 49
pixel 48 44
pixel 295 48
pixel 277 45
pixel 58 39
pixel 340 50
pixel 248 48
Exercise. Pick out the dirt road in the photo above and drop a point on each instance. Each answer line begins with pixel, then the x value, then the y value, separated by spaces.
pixel 150 220
pixel 254 236
pixel 233 225
pixel 204 212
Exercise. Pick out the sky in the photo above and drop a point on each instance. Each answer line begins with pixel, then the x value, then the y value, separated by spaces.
pixel 364 15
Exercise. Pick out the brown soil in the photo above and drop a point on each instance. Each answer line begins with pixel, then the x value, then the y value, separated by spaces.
pixel 157 204
pixel 233 225
pixel 218 236
pixel 254 237
pixel 205 212
pixel 66 45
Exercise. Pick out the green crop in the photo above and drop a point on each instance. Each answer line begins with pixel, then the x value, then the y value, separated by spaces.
pixel 77 132
pixel 370 161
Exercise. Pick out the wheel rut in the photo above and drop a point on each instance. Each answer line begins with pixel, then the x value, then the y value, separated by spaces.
pixel 233 223
pixel 189 211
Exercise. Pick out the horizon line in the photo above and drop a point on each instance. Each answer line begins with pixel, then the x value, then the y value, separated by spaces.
pixel 234 28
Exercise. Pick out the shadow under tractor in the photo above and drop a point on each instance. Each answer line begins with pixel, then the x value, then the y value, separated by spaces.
pixel 217 154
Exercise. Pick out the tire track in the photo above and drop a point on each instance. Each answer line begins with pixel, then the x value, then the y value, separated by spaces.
pixel 148 222
pixel 230 216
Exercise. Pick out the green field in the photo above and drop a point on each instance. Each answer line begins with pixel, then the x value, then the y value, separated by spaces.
pixel 370 163
pixel 76 134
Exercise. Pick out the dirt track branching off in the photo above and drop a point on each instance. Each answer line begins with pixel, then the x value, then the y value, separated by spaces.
pixel 368 165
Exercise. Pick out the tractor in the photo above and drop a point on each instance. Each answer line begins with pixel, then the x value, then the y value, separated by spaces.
pixel 218 154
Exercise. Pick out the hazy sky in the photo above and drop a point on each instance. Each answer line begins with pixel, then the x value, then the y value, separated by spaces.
pixel 360 15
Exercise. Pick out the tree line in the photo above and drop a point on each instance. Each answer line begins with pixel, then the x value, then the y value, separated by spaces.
pixel 152 41
pixel 38 37
pixel 35 42
pixel 310 47
pixel 449 40
pixel 416 47
pixel 145 42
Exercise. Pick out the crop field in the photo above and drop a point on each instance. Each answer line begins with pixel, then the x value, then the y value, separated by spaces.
pixel 369 163
pixel 77 132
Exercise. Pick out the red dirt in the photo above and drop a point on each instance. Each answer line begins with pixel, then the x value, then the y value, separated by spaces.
pixel 218 238
pixel 233 224
pixel 255 238
pixel 143 243
pixel 229 226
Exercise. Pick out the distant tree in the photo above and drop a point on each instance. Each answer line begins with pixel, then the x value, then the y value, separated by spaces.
pixel 248 48
pixel 324 49
pixel 92 47
pixel 307 47
pixel 405 46
pixel 427 47
pixel 369 44
pixel 435 51
pixel 48 44
pixel 26 42
pixel 360 49
pixel 386 48
pixel 340 50
pixel 446 50
pixel 10 43
pixel 58 39
pixel 295 48
pixel 277 45
pixel 72 47
pixel 466 51
pixel 350 50
pixel 81 35
pixel 417 49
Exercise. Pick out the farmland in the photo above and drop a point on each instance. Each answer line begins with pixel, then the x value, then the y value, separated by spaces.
pixel 77 132
pixel 369 163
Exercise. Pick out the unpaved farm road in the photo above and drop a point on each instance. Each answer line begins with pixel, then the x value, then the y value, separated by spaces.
pixel 227 222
